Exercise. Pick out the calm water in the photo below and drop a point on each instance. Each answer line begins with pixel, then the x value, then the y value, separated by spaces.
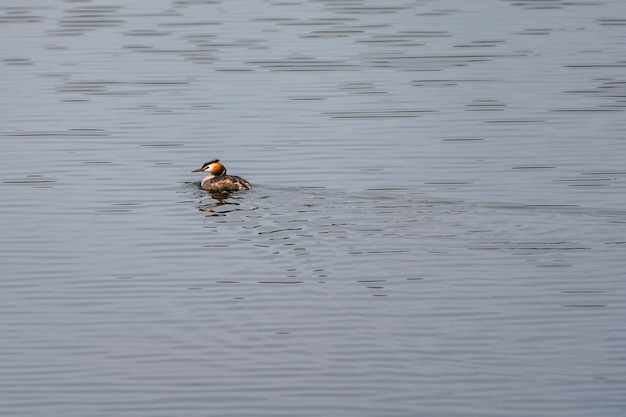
pixel 437 225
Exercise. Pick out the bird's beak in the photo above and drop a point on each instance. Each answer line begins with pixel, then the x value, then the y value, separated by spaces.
pixel 197 170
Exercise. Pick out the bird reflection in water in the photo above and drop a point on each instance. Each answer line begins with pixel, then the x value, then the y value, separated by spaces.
pixel 220 204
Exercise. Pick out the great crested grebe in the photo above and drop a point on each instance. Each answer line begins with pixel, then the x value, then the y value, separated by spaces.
pixel 218 181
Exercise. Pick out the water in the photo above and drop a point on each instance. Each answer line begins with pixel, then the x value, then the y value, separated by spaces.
pixel 436 226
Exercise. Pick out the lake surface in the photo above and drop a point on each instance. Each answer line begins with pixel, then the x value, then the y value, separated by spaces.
pixel 437 225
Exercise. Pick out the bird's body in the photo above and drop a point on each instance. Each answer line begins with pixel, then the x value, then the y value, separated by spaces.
pixel 218 181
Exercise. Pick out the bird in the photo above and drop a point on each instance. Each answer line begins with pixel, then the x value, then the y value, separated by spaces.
pixel 217 181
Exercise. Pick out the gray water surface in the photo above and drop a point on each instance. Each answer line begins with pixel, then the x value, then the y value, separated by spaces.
pixel 437 225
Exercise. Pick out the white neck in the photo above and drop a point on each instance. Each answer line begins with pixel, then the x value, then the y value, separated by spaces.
pixel 207 178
